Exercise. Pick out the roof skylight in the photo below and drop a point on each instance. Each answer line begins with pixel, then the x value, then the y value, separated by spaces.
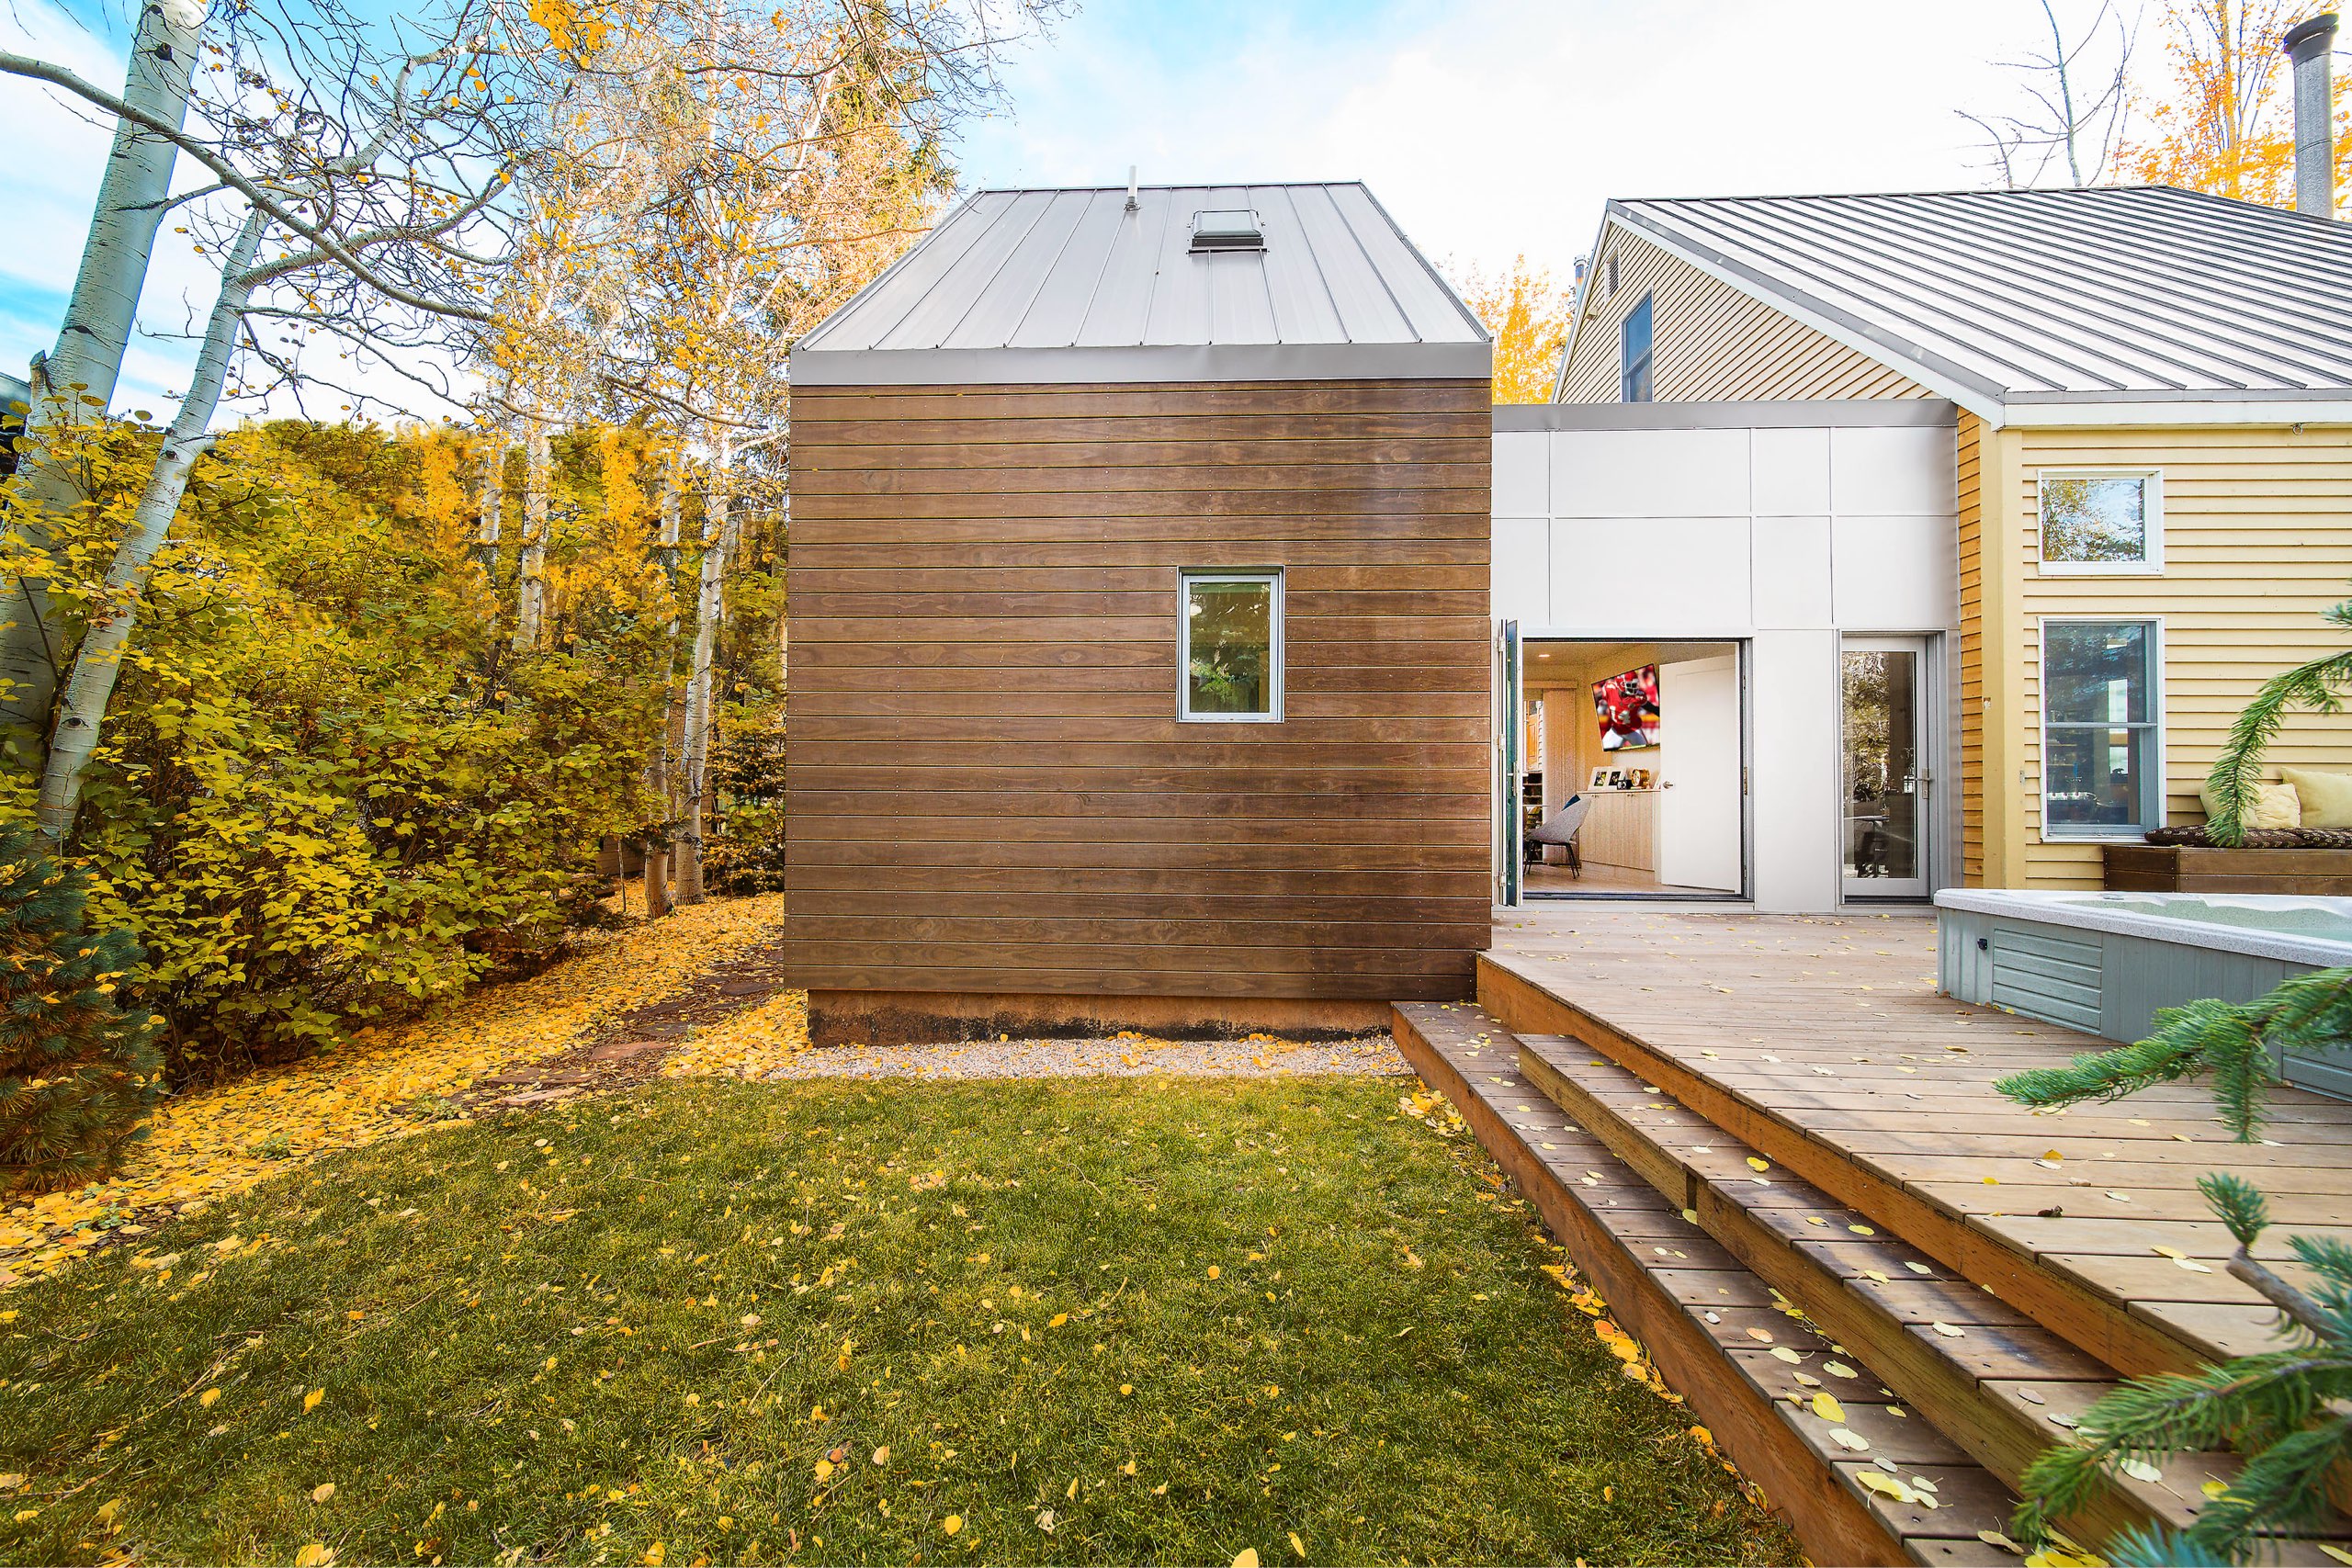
pixel 1235 229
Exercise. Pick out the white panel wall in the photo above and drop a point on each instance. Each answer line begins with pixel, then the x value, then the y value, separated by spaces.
pixel 1782 538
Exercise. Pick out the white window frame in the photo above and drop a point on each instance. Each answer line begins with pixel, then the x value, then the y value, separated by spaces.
pixel 1272 578
pixel 2102 832
pixel 2152 501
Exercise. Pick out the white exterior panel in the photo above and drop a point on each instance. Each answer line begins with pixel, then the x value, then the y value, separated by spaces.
pixel 1703 532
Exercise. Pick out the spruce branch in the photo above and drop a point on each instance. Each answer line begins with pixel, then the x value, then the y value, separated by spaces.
pixel 2237 772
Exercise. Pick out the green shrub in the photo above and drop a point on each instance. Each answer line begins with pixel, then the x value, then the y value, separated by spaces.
pixel 77 1068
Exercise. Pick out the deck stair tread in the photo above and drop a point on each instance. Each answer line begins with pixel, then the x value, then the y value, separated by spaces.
pixel 1710 1325
pixel 1877 1294
pixel 1838 1061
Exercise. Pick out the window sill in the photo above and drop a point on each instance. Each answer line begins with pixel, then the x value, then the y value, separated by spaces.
pixel 2062 568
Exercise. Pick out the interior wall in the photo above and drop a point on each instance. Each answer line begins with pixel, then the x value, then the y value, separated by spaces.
pixel 1784 535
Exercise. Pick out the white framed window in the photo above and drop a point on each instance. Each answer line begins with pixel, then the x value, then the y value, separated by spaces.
pixel 2102 522
pixel 1229 647
pixel 2102 727
pixel 1633 343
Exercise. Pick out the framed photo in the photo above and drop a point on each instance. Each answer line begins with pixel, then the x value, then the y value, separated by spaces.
pixel 1616 778
pixel 1601 776
pixel 1627 706
pixel 1637 778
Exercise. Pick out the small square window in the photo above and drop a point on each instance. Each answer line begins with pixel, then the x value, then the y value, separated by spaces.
pixel 1231 642
pixel 2095 522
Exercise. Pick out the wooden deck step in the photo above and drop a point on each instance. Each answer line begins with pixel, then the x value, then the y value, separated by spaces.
pixel 1712 1325
pixel 1845 1067
pixel 1999 1385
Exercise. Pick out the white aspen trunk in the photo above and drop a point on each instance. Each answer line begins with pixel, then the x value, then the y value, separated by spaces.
pixel 530 577
pixel 76 381
pixel 709 606
pixel 90 685
pixel 493 502
pixel 658 859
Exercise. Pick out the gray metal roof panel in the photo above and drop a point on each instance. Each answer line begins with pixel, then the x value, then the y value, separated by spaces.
pixel 1337 291
pixel 2128 293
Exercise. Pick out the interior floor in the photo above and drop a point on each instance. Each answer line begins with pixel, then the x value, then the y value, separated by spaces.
pixel 1599 878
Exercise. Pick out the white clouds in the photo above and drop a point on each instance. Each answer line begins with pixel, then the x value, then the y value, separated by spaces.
pixel 1492 127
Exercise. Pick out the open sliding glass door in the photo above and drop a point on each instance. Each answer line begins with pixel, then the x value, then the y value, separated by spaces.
pixel 1888 814
pixel 1508 764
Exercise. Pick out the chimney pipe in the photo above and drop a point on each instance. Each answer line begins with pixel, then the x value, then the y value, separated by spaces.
pixel 2309 44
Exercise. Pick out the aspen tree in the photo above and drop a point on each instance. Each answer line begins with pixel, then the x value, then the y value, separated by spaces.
pixel 354 193
pixel 75 382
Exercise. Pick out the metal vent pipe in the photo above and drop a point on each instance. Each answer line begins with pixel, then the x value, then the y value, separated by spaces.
pixel 2309 44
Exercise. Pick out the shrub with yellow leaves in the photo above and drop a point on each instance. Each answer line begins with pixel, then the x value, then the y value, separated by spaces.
pixel 328 791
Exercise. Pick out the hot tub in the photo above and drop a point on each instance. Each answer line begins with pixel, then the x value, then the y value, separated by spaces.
pixel 2104 962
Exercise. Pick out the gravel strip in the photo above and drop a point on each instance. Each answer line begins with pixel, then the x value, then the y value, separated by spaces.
pixel 1369 1056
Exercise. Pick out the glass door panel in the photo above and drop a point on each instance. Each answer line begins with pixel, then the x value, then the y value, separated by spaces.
pixel 1884 796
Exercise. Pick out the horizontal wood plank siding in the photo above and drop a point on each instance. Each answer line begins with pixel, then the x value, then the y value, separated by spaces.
pixel 2258 542
pixel 987 789
pixel 1711 341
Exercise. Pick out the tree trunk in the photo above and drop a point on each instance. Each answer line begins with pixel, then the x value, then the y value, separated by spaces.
pixel 493 502
pixel 76 381
pixel 658 859
pixel 657 883
pixel 530 577
pixel 709 605
pixel 97 662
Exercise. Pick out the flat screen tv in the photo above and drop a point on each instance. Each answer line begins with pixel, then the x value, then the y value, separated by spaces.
pixel 1627 706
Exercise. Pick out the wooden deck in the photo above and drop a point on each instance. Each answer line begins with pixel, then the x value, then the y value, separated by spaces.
pixel 1826 1123
pixel 1824 1044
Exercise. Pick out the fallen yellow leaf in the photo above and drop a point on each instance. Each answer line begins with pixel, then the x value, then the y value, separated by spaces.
pixel 952 1523
pixel 208 1398
pixel 1246 1558
pixel 311 1400
pixel 1828 1409
pixel 322 1492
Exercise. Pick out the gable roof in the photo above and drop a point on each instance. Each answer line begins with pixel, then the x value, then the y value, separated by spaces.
pixel 1065 286
pixel 2106 305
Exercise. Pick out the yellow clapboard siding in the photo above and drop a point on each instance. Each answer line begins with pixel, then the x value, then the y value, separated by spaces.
pixel 1709 341
pixel 2258 542
pixel 1971 650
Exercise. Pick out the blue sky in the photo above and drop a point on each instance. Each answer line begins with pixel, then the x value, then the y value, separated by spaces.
pixel 1487 128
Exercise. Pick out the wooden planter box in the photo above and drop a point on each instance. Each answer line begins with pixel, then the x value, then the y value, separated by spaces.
pixel 2178 868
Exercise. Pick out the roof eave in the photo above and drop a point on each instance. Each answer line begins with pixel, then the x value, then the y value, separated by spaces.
pixel 1142 364
pixel 1987 400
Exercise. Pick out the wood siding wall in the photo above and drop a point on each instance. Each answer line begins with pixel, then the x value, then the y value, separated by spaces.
pixel 1709 341
pixel 2258 542
pixel 989 791
pixel 1971 650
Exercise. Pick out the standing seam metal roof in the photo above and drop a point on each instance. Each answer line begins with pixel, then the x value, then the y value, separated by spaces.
pixel 1066 286
pixel 2132 294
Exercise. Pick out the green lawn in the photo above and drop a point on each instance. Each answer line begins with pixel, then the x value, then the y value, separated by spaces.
pixel 1083 1320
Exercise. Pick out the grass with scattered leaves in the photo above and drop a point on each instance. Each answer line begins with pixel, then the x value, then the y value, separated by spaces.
pixel 1083 1320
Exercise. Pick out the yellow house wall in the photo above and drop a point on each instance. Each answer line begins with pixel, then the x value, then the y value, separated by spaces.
pixel 2258 542
pixel 1709 341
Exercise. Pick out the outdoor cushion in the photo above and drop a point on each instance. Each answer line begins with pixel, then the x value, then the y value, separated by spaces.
pixel 2274 805
pixel 2327 796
